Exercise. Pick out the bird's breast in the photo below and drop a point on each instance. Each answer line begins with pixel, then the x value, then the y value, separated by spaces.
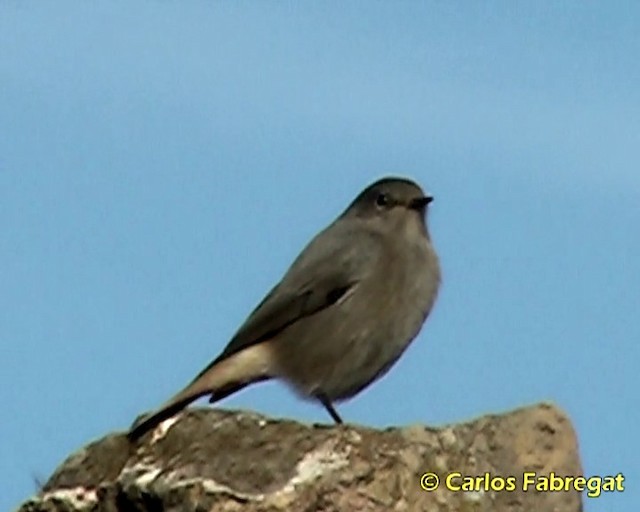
pixel 407 293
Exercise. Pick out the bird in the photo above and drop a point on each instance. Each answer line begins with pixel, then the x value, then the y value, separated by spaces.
pixel 342 314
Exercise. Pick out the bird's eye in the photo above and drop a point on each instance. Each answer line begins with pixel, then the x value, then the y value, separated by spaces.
pixel 382 200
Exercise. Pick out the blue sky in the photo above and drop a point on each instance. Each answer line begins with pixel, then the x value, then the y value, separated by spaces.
pixel 161 164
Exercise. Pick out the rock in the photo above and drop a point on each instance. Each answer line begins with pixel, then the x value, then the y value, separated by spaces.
pixel 218 460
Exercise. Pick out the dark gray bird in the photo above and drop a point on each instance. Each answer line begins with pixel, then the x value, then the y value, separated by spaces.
pixel 343 313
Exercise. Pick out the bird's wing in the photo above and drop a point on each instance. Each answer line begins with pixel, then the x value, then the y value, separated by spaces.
pixel 281 308
pixel 324 272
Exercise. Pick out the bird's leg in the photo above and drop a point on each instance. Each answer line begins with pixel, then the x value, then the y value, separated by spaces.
pixel 324 400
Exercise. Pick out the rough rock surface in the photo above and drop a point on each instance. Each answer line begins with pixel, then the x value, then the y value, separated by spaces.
pixel 217 460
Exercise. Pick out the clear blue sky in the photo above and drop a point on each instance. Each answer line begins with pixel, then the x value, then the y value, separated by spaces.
pixel 161 164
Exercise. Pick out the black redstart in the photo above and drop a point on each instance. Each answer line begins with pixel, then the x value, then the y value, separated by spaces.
pixel 343 313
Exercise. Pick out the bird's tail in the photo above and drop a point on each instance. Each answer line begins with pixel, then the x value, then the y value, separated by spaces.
pixel 220 379
pixel 192 392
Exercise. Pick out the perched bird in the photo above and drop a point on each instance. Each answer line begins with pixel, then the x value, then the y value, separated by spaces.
pixel 342 314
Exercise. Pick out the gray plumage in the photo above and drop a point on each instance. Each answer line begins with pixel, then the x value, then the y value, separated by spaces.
pixel 342 314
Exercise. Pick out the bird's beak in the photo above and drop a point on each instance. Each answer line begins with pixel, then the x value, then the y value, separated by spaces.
pixel 419 203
